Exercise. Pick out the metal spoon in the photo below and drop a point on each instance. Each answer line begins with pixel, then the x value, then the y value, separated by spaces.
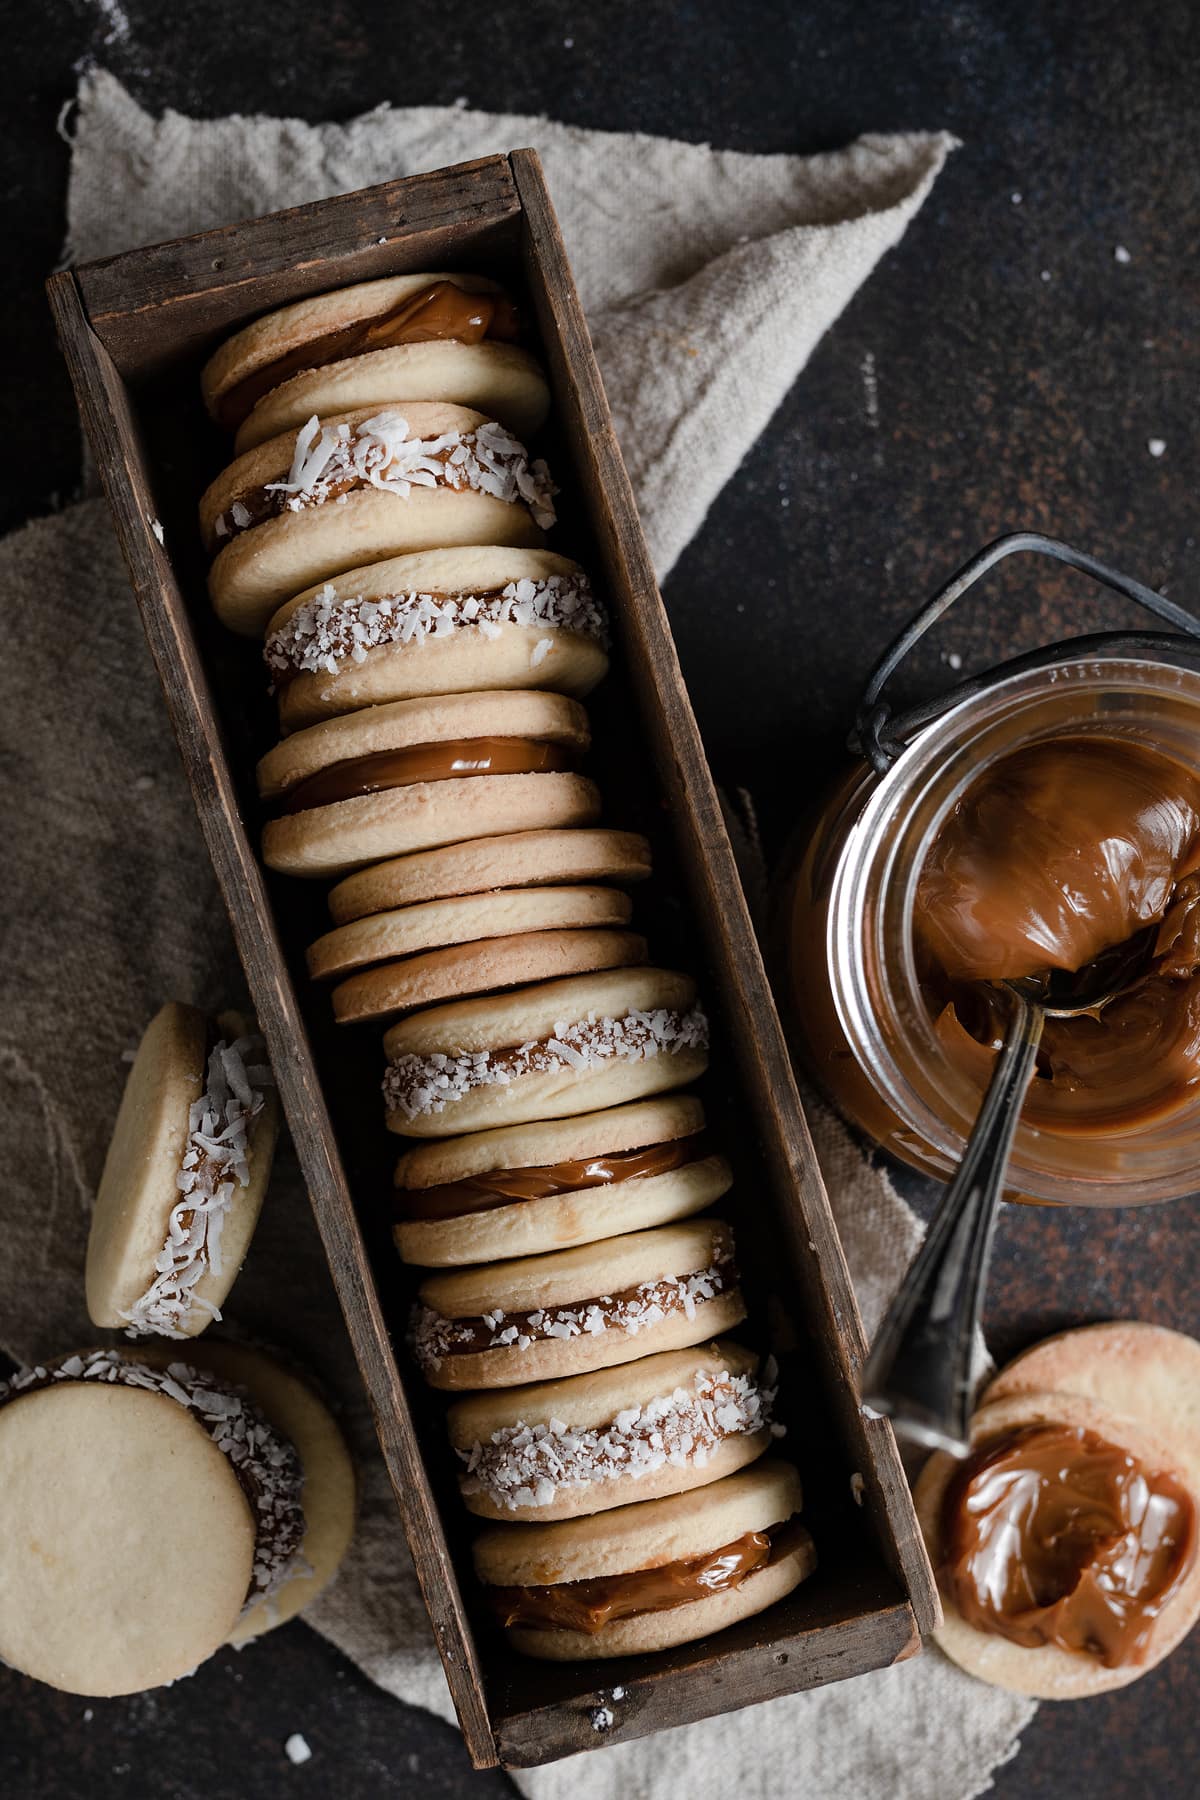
pixel 919 1369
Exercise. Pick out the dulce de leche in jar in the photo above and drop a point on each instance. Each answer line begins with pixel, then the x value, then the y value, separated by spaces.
pixel 1045 819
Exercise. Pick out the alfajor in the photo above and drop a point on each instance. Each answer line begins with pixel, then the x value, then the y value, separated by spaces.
pixel 662 1425
pixel 356 487
pixel 184 1178
pixel 543 1317
pixel 416 774
pixel 543 1052
pixel 440 622
pixel 518 1190
pixel 142 1510
pixel 406 337
pixel 647 1576
pixel 512 860
pixel 1065 1544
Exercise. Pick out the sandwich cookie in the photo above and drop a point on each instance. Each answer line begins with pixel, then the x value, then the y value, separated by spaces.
pixel 519 1190
pixel 513 860
pixel 664 1425
pixel 1144 1371
pixel 543 1317
pixel 184 1177
pixel 1064 1545
pixel 543 1052
pixel 440 622
pixel 357 487
pixel 407 337
pixel 419 773
pixel 142 1510
pixel 329 1493
pixel 647 1576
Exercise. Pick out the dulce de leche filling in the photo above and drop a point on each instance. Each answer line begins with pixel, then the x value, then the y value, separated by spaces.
pixel 1065 850
pixel 440 311
pixel 1051 1535
pixel 501 1187
pixel 591 1605
pixel 454 760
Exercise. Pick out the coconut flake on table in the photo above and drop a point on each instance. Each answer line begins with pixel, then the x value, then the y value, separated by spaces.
pixel 525 1465
pixel 414 1085
pixel 214 1166
pixel 327 630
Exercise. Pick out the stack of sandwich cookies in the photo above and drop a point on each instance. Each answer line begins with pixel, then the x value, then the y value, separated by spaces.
pixel 358 487
pixel 415 774
pixel 663 1425
pixel 543 1317
pixel 404 338
pixel 185 1175
pixel 543 1052
pixel 440 622
pixel 650 1575
pixel 520 1190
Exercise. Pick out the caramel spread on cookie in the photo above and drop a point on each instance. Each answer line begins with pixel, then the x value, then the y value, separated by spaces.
pixel 591 1605
pixel 456 760
pixel 1051 1535
pixel 501 1187
pixel 1065 850
pixel 441 311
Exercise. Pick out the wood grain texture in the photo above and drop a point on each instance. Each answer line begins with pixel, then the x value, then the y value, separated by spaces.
pixel 151 314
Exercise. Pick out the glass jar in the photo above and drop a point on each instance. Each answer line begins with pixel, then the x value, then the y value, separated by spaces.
pixel 844 925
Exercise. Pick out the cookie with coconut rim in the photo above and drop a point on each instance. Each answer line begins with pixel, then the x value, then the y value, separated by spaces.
pixel 185 1175
pixel 142 1511
pixel 663 1425
pixel 416 774
pixel 403 338
pixel 441 622
pixel 650 1575
pixel 512 860
pixel 543 1052
pixel 360 487
pixel 518 1190
pixel 292 1406
pixel 543 1317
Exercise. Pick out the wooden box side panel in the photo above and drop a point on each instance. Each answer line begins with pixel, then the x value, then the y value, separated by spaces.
pixel 816 1251
pixel 113 438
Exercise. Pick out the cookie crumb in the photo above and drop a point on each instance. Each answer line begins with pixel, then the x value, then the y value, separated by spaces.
pixel 1016 199
pixel 297 1749
pixel 858 1488
pixel 1121 254
pixel 602 1718
pixel 618 1693
pixel 88 1715
pixel 1156 446
pixel 156 528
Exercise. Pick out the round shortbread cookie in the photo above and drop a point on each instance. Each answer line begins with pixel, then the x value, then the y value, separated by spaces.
pixel 640 1031
pixel 484 967
pixel 448 628
pixel 518 860
pixel 1048 1672
pixel 126 1541
pixel 581 1216
pixel 436 924
pixel 330 1493
pixel 670 1269
pixel 502 381
pixel 257 569
pixel 140 1186
pixel 411 724
pixel 662 1425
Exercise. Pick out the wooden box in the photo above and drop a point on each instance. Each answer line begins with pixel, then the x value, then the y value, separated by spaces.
pixel 135 330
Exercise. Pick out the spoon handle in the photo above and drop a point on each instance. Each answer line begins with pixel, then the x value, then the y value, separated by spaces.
pixel 919 1369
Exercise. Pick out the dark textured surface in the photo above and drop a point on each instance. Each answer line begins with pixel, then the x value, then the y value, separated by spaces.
pixel 1001 368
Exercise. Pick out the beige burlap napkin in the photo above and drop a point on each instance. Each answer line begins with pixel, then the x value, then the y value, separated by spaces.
pixel 112 906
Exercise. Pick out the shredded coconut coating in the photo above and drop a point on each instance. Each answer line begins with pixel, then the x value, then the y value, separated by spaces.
pixel 326 631
pixel 330 460
pixel 216 1163
pixel 265 1463
pixel 414 1085
pixel 530 1465
pixel 434 1337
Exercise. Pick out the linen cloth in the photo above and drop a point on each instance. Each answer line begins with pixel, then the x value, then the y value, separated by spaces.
pixel 708 277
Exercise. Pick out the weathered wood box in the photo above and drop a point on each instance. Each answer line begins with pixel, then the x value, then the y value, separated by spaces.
pixel 135 330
